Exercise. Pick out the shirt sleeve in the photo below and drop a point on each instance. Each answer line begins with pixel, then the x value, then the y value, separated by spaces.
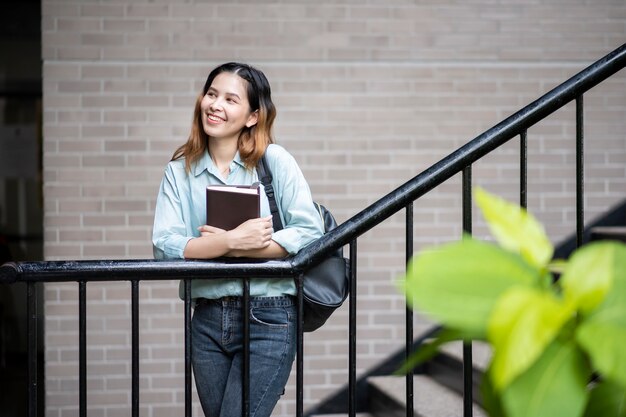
pixel 301 222
pixel 169 233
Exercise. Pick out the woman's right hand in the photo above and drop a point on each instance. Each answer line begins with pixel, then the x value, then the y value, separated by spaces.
pixel 252 234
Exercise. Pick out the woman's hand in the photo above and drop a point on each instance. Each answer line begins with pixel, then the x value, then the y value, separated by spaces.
pixel 250 235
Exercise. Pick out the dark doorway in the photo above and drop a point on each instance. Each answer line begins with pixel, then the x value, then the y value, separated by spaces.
pixel 21 202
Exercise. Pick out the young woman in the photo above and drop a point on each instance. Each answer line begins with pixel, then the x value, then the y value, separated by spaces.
pixel 231 130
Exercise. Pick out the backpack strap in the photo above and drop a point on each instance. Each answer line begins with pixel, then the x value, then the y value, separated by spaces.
pixel 265 176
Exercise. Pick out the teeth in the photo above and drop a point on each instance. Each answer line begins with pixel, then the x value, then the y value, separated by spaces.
pixel 215 118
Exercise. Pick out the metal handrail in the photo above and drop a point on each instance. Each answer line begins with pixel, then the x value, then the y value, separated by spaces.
pixel 124 270
pixel 462 157
pixel 352 228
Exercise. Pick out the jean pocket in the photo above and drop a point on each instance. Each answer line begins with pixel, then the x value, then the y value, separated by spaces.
pixel 273 317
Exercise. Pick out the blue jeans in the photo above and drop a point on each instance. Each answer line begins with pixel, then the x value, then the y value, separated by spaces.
pixel 217 353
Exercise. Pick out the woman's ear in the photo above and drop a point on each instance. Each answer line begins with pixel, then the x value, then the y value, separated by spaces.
pixel 253 118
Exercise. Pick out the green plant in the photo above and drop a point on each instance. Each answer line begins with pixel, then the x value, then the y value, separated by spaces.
pixel 559 346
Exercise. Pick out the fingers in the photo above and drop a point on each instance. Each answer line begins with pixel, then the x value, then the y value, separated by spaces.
pixel 253 234
pixel 262 229
pixel 207 230
pixel 261 224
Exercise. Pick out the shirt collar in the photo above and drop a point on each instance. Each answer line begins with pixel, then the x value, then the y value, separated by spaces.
pixel 206 163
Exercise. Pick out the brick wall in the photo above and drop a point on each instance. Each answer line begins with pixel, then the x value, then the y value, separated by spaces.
pixel 369 93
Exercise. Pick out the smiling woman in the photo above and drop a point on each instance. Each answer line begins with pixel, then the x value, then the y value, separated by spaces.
pixel 231 131
pixel 226 112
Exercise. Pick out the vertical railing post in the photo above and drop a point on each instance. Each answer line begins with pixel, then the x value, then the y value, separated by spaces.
pixel 245 409
pixel 187 314
pixel 82 348
pixel 409 313
pixel 300 346
pixel 580 172
pixel 352 333
pixel 467 345
pixel 523 163
pixel 31 306
pixel 135 347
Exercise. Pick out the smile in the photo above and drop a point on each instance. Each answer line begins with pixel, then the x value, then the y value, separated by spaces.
pixel 215 119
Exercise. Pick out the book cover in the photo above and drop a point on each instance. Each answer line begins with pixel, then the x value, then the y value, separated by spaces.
pixel 227 206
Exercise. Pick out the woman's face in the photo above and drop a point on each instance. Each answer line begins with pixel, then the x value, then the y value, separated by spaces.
pixel 225 109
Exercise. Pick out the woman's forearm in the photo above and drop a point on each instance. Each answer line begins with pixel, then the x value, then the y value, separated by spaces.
pixel 216 245
pixel 206 247
pixel 272 251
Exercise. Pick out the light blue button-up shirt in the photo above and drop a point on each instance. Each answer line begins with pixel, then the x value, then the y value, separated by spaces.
pixel 181 209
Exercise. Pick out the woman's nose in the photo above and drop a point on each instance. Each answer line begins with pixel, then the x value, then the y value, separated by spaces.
pixel 215 104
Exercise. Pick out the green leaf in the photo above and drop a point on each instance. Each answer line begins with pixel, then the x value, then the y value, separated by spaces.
pixel 557 266
pixel 589 275
pixel 491 399
pixel 607 399
pixel 515 229
pixel 523 322
pixel 603 333
pixel 604 339
pixel 554 386
pixel 458 283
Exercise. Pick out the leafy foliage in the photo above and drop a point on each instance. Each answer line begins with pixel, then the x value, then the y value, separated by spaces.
pixel 547 339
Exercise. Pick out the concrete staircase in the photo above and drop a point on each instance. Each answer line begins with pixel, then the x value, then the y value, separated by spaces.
pixel 437 392
pixel 431 399
pixel 437 389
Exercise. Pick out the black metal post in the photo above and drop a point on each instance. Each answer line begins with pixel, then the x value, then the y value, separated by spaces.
pixel 409 313
pixel 245 410
pixel 580 172
pixel 82 348
pixel 467 345
pixel 187 314
pixel 352 333
pixel 134 285
pixel 300 347
pixel 31 306
pixel 523 181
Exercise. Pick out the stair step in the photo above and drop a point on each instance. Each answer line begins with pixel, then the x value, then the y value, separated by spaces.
pixel 481 353
pixel 342 415
pixel 608 232
pixel 430 398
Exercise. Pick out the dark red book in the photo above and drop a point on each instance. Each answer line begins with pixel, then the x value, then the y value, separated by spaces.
pixel 227 206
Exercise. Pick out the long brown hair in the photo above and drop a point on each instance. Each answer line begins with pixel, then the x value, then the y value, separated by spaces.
pixel 253 140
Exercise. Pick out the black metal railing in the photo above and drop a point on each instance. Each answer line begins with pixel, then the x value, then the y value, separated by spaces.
pixel 347 233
